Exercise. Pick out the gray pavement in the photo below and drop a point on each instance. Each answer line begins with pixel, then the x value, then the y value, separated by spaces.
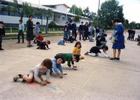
pixel 97 78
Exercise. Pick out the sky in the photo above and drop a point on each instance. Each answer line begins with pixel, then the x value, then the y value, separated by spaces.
pixel 130 7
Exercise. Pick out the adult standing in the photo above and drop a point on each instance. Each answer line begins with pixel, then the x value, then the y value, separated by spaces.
pixel 29 35
pixel 66 32
pixel 20 31
pixel 117 39
pixel 74 29
pixel 86 32
pixel 2 33
pixel 81 31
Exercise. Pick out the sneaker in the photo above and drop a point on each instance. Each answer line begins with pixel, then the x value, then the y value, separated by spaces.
pixel 112 58
pixel 15 79
pixel 74 68
pixel 20 75
pixel 117 58
pixel 1 49
pixel 29 45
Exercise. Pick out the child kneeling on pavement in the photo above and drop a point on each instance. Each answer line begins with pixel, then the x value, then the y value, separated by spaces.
pixel 56 69
pixel 96 50
pixel 36 74
pixel 70 58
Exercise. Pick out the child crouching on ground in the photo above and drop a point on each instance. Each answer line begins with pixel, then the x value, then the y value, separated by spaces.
pixel 61 42
pixel 36 74
pixel 70 58
pixel 56 69
pixel 41 43
pixel 96 50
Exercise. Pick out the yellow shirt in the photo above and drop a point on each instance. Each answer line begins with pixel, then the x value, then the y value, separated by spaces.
pixel 76 51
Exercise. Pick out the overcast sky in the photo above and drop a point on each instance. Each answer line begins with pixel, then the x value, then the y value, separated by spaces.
pixel 131 7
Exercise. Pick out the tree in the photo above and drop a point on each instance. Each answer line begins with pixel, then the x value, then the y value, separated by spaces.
pixel 110 10
pixel 132 25
pixel 126 23
pixel 75 10
pixel 27 9
pixel 76 18
pixel 86 12
pixel 18 9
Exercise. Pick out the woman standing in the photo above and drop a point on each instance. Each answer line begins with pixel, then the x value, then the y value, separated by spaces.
pixel 117 39
pixel 29 35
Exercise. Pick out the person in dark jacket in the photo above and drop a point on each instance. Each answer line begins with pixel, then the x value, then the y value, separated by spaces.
pixel 74 34
pixel 86 32
pixel 2 33
pixel 29 35
pixel 81 31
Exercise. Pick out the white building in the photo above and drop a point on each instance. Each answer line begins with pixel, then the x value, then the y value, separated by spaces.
pixel 60 14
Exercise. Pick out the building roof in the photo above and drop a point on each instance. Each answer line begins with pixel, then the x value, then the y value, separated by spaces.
pixel 57 5
pixel 53 9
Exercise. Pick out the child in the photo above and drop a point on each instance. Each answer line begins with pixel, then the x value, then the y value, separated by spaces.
pixel 61 42
pixel 56 69
pixel 101 40
pixel 41 43
pixel 77 50
pixel 70 58
pixel 2 33
pixel 20 31
pixel 37 29
pixel 96 50
pixel 36 73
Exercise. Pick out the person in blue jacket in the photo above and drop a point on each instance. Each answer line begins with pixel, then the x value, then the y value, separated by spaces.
pixel 117 39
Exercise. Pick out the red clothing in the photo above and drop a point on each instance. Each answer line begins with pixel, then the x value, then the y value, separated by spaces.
pixel 40 38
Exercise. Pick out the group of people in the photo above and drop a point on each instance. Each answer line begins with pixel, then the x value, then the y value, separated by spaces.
pixel 132 37
pixel 85 31
pixel 131 34
pixel 51 67
pixel 33 33
pixel 54 67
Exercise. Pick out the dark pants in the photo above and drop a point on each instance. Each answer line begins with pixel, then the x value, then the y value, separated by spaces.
pixel 81 33
pixel 42 45
pixel 0 42
pixel 20 33
pixel 74 34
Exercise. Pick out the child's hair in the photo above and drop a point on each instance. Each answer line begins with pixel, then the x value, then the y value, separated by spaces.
pixel 30 16
pixel 77 44
pixel 1 22
pixel 20 21
pixel 48 42
pixel 105 48
pixel 47 63
pixel 37 23
pixel 60 56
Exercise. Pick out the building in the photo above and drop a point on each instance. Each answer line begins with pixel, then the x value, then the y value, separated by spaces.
pixel 59 16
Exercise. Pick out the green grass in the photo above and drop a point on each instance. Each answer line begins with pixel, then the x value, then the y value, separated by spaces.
pixel 52 33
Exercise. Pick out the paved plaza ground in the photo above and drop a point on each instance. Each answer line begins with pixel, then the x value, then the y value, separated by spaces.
pixel 97 78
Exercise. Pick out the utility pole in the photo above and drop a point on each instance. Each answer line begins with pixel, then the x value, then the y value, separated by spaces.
pixel 98 13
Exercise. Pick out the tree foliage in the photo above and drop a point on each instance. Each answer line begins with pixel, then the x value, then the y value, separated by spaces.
pixel 109 10
pixel 76 10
